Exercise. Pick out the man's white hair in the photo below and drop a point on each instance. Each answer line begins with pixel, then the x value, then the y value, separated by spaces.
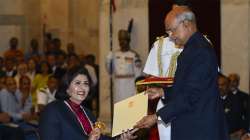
pixel 186 15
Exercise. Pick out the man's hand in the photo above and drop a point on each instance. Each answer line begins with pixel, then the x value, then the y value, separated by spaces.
pixel 129 135
pixel 147 121
pixel 154 92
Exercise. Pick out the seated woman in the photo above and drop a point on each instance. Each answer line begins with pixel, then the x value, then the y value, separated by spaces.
pixel 67 118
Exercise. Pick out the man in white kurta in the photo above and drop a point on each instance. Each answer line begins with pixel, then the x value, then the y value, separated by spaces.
pixel 158 64
pixel 124 69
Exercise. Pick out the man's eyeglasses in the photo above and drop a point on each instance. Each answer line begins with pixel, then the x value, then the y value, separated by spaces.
pixel 170 31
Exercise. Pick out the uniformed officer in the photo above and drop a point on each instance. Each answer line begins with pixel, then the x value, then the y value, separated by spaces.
pixel 124 69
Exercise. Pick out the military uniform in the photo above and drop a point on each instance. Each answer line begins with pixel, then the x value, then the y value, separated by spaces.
pixel 159 63
pixel 124 72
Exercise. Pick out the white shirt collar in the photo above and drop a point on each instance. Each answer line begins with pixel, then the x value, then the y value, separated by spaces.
pixel 223 97
pixel 235 91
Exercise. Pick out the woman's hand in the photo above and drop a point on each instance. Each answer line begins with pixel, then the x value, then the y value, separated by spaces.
pixel 95 134
pixel 245 137
pixel 128 135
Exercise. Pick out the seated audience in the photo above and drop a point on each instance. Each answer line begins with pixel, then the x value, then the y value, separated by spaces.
pixel 70 49
pixel 40 79
pixel 32 66
pixel 47 94
pixel 13 52
pixel 2 82
pixel 22 70
pixel 232 112
pixel 2 72
pixel 246 136
pixel 11 101
pixel 240 103
pixel 9 66
pixel 9 132
pixel 18 107
pixel 33 50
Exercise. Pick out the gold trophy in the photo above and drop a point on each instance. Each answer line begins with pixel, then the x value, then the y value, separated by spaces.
pixel 100 125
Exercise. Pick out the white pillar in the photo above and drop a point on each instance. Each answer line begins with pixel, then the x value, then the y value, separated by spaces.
pixel 138 10
pixel 235 39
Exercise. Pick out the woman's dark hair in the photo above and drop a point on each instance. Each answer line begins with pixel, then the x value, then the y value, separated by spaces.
pixel 68 78
pixel 40 67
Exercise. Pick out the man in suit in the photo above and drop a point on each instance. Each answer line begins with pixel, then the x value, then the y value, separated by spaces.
pixel 234 82
pixel 236 116
pixel 247 135
pixel 248 115
pixel 161 62
pixel 193 105
pixel 230 108
pixel 240 96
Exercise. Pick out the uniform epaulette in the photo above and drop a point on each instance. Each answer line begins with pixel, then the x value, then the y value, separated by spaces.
pixel 159 37
pixel 159 51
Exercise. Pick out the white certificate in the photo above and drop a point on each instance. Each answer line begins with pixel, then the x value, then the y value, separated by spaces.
pixel 129 111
